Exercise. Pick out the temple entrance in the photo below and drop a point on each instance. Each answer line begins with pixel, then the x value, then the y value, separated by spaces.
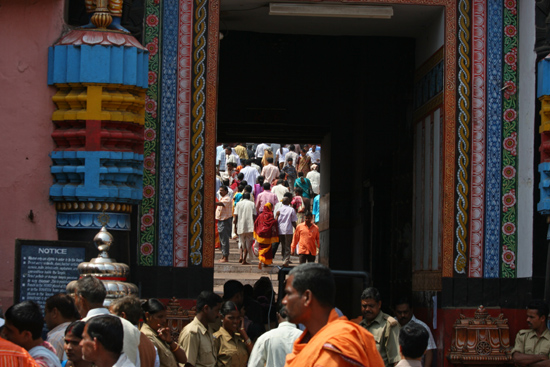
pixel 352 91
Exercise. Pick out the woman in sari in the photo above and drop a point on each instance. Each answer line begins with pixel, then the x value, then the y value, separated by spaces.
pixel 304 184
pixel 266 233
pixel 303 163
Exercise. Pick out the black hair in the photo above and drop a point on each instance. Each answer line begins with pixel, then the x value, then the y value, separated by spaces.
pixel 318 279
pixel 225 146
pixel 540 306
pixel 288 195
pixel 240 188
pixel 402 301
pixel 153 306
pixel 231 288
pixel 107 329
pixel 413 340
pixel 224 187
pixel 76 328
pixel 131 306
pixel 240 176
pixel 298 190
pixel 92 289
pixel 280 181
pixel 228 307
pixel 247 162
pixel 248 188
pixel 244 183
pixel 300 174
pixel 270 160
pixel 64 304
pixel 207 298
pixel 246 196
pixel 282 175
pixel 260 179
pixel 26 316
pixel 371 292
pixel 292 147
pixel 263 288
pixel 226 182
pixel 266 186
pixel 308 213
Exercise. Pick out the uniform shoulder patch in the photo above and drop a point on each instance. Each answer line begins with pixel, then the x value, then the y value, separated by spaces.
pixel 524 331
pixel 392 321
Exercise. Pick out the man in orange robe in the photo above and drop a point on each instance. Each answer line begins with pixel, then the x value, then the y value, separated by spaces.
pixel 328 340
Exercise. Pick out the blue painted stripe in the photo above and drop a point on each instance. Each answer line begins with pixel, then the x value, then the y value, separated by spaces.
pixel 168 132
pixel 98 64
pixel 494 133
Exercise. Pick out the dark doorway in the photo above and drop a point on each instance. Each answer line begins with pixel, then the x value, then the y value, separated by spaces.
pixel 353 94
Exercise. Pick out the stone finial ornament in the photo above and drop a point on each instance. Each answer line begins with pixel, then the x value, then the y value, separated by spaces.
pixel 112 274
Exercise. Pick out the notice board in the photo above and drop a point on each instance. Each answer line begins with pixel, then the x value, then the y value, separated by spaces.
pixel 44 268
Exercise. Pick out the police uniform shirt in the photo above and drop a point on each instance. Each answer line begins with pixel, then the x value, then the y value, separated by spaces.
pixel 231 349
pixel 527 342
pixel 166 357
pixel 387 342
pixel 198 344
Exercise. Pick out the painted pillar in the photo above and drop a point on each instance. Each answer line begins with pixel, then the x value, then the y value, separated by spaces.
pixel 543 94
pixel 176 234
pixel 101 77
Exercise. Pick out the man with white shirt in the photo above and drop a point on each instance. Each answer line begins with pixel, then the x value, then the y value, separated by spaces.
pixel 243 219
pixel 315 178
pixel 250 173
pixel 102 342
pixel 314 153
pixel 291 155
pixel 23 326
pixel 280 155
pixel 271 171
pixel 90 294
pixel 272 347
pixel 224 158
pixel 405 316
pixel 287 218
pixel 260 151
pixel 280 189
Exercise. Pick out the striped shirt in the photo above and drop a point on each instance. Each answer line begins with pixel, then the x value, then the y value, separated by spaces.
pixel 12 355
pixel 56 337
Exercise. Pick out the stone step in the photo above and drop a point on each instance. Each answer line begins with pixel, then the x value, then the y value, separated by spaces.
pixel 246 274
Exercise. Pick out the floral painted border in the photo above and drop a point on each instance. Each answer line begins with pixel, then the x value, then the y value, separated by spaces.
pixel 148 216
pixel 510 141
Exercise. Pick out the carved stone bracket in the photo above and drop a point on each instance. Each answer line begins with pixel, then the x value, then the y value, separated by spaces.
pixel 177 317
pixel 481 340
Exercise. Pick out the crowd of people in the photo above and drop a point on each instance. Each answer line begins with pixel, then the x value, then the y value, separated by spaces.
pixel 228 330
pixel 246 326
pixel 268 196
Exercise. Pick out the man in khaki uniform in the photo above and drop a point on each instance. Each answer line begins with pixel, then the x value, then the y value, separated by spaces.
pixel 383 327
pixel 196 338
pixel 533 344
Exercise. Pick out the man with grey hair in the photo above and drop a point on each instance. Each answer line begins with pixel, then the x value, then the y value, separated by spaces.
pixel 383 327
pixel 328 340
pixel 90 294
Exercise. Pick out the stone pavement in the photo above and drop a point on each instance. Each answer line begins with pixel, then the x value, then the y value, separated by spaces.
pixel 246 274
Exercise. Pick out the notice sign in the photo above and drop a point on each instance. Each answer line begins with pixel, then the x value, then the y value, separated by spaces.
pixel 44 268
